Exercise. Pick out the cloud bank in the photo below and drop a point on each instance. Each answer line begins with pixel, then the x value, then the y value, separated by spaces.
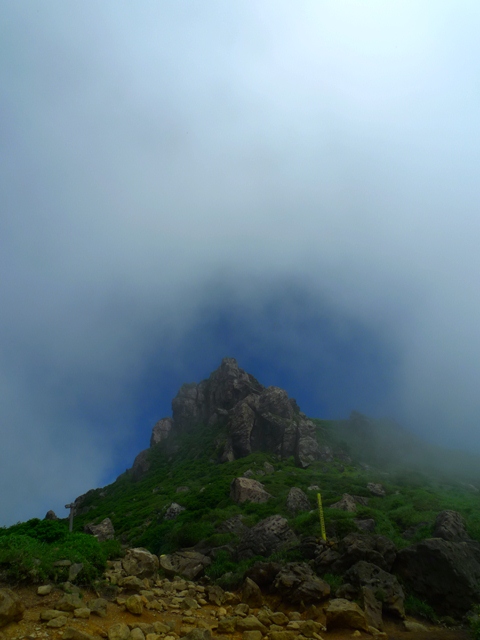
pixel 290 184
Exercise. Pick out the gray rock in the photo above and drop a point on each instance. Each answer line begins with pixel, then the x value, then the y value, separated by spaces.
pixel 50 614
pixel 56 623
pixel 69 602
pixel 119 631
pixel 173 511
pixel 248 490
pixel 98 606
pixel 134 604
pixel 251 593
pixel 450 525
pixel 161 431
pixel 103 531
pixel 375 549
pixel 266 537
pixel 372 608
pixel 268 468
pixel 44 590
pixel 71 633
pixel 345 614
pixel 233 525
pixel 190 564
pixel 445 574
pixel 51 515
pixel 376 489
pixel 11 607
pixel 296 582
pixel 140 562
pixel 297 501
pixel 141 465
pixel 365 574
pixel 347 503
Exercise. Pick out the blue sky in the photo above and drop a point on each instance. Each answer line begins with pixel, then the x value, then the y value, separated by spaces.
pixel 291 184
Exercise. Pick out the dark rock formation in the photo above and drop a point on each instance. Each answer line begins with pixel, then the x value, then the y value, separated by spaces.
pixel 263 573
pixel 269 535
pixel 140 563
pixel 446 574
pixel 347 503
pixel 190 564
pixel 141 465
pixel 354 547
pixel 382 583
pixel 296 582
pixel 257 418
pixel 173 511
pixel 51 515
pixel 450 525
pixel 367 526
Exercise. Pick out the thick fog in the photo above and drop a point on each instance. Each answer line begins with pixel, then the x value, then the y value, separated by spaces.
pixel 294 184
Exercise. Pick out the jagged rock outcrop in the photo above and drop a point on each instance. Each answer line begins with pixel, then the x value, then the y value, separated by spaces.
pixel 450 525
pixel 376 489
pixel 347 503
pixel 366 574
pixel 102 531
pixel 345 615
pixel 51 515
pixel 161 431
pixel 257 418
pixel 140 562
pixel 141 465
pixel 190 564
pixel 446 574
pixel 375 549
pixel 296 582
pixel 269 535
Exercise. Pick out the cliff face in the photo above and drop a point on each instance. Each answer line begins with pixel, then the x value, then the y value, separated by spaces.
pixel 257 418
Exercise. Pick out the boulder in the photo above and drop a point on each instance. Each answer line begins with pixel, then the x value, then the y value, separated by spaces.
pixel 247 489
pixel 251 593
pixel 74 570
pixel 296 582
pixel 51 515
pixel 134 604
pixel 161 431
pixel 445 574
pixel 190 564
pixel 344 614
pixel 173 511
pixel 118 631
pixel 11 607
pixel 98 606
pixel 375 549
pixel 71 633
pixel 376 489
pixel 384 585
pixel 449 525
pixel 103 531
pixel 140 562
pixel 69 602
pixel 266 537
pixel 347 503
pixel 297 501
pixel 233 525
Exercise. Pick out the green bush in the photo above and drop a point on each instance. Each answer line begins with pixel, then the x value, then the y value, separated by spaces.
pixel 416 607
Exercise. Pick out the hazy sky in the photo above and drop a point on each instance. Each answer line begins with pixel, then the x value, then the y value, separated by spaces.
pixel 294 184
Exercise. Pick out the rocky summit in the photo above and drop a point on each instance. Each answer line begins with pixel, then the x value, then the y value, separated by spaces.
pixel 256 418
pixel 246 520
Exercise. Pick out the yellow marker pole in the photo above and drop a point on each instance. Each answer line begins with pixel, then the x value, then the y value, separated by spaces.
pixel 322 521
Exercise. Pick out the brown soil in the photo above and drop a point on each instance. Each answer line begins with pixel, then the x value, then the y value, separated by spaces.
pixel 32 627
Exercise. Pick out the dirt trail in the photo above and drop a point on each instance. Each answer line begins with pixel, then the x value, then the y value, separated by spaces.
pixel 31 627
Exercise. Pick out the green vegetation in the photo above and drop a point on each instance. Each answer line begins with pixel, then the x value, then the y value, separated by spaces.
pixel 416 607
pixel 29 551
pixel 413 500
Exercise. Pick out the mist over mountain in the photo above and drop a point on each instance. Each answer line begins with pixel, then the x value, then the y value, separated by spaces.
pixel 290 185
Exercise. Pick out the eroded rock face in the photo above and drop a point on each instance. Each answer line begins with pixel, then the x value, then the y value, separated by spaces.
pixel 347 503
pixel 296 582
pixel 248 490
pixel 365 574
pixel 450 525
pixel 103 531
pixel 269 535
pixel 173 511
pixel 190 564
pixel 257 419
pixel 141 465
pixel 446 574
pixel 376 489
pixel 11 607
pixel 51 515
pixel 161 431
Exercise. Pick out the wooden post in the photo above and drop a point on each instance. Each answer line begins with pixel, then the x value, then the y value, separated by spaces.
pixel 70 506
